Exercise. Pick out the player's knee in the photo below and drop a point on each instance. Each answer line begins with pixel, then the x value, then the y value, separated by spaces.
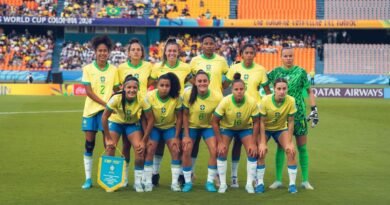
pixel 151 149
pixel 213 152
pixel 89 146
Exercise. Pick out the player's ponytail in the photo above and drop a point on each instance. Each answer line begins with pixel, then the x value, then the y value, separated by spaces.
pixel 237 79
pixel 174 91
pixel 194 90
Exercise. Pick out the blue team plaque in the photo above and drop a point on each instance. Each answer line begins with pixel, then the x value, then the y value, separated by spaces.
pixel 111 172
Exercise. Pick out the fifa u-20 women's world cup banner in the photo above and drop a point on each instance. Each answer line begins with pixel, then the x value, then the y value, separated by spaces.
pixel 111 173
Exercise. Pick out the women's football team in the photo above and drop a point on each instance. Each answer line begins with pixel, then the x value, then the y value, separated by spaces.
pixel 119 104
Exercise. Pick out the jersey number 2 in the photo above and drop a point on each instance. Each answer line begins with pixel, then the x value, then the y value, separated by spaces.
pixel 102 88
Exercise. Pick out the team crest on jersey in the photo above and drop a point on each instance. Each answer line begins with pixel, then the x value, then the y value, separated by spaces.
pixel 208 67
pixel 246 77
pixel 163 110
pixel 136 75
pixel 102 79
pixel 202 107
pixel 238 115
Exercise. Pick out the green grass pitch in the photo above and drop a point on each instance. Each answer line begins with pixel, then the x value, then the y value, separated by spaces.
pixel 41 159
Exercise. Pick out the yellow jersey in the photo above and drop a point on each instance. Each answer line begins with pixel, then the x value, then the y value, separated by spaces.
pixel 164 110
pixel 141 71
pixel 253 77
pixel 236 116
pixel 216 67
pixel 276 116
pixel 181 70
pixel 132 109
pixel 102 83
pixel 201 110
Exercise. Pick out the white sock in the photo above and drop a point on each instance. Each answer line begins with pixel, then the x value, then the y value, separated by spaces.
pixel 156 164
pixel 138 176
pixel 88 166
pixel 211 172
pixel 292 174
pixel 148 174
pixel 260 174
pixel 222 167
pixel 250 171
pixel 193 164
pixel 175 173
pixel 187 176
pixel 235 165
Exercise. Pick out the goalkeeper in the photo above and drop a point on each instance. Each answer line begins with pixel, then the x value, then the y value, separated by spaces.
pixel 298 84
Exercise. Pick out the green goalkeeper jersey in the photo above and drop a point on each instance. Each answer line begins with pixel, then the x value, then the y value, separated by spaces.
pixel 297 86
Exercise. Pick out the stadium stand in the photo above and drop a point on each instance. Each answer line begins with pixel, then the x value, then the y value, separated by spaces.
pixel 357 59
pixel 28 7
pixel 204 9
pixel 276 9
pixel 357 9
pixel 75 55
pixel 109 9
pixel 26 51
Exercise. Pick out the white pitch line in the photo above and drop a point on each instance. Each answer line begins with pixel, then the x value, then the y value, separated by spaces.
pixel 39 112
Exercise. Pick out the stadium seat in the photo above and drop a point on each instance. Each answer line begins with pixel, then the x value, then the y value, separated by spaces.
pixel 276 9
pixel 304 57
pixel 357 9
pixel 356 59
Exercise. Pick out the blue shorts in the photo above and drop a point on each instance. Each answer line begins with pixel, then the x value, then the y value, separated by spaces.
pixel 236 133
pixel 93 123
pixel 206 133
pixel 165 134
pixel 123 129
pixel 274 134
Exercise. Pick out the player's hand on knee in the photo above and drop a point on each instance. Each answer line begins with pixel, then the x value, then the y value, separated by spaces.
pixel 262 150
pixel 186 144
pixel 252 151
pixel 140 148
pixel 313 116
pixel 175 145
pixel 221 149
pixel 290 149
